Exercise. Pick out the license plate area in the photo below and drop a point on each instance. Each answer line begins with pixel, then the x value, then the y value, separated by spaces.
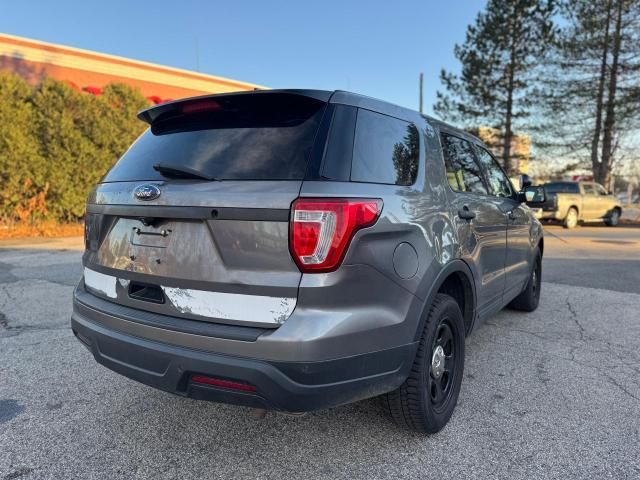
pixel 177 249
pixel 158 237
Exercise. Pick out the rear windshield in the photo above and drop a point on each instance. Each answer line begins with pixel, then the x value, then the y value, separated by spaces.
pixel 561 187
pixel 242 137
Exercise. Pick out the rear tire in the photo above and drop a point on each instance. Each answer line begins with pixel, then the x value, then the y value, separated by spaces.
pixel 613 219
pixel 529 299
pixel 426 400
pixel 571 220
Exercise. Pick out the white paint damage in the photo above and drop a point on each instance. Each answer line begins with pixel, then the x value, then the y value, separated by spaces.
pixel 101 283
pixel 231 306
pixel 227 306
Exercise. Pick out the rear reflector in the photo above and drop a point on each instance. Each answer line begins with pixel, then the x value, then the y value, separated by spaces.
pixel 219 382
pixel 322 228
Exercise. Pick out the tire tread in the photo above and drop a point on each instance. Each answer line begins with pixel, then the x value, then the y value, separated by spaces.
pixel 404 404
pixel 525 302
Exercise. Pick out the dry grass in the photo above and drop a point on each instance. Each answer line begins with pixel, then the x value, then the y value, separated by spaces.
pixel 47 229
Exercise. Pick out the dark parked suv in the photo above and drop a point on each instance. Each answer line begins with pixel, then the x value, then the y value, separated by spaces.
pixel 296 250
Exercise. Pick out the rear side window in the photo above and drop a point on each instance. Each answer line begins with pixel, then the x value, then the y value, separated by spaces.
pixel 385 150
pixel 236 137
pixel 463 173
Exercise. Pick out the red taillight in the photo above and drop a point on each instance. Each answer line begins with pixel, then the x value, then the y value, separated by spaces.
pixel 322 228
pixel 219 382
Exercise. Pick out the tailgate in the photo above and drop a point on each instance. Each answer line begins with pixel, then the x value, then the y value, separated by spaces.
pixel 221 258
pixel 193 220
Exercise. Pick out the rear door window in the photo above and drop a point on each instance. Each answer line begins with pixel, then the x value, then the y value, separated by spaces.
pixel 463 173
pixel 385 150
pixel 498 182
pixel 236 137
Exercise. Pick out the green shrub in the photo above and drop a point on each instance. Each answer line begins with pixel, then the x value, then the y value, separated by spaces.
pixel 57 142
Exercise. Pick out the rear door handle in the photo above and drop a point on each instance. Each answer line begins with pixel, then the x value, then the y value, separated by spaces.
pixel 466 214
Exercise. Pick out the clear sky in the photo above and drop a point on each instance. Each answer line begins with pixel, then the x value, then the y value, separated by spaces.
pixel 372 47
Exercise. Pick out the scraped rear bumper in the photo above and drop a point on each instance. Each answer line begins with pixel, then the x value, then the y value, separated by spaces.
pixel 287 386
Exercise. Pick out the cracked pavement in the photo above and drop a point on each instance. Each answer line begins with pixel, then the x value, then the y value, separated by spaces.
pixel 549 394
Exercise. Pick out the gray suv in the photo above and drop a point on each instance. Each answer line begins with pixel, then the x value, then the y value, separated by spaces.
pixel 295 250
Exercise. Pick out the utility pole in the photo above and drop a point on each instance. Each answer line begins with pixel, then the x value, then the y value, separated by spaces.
pixel 421 83
pixel 197 54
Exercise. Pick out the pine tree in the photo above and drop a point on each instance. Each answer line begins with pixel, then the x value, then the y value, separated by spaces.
pixel 591 89
pixel 499 55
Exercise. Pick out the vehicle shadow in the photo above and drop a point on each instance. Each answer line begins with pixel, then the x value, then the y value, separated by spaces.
pixel 163 428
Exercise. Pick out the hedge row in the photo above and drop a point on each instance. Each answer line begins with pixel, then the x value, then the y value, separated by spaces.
pixel 57 142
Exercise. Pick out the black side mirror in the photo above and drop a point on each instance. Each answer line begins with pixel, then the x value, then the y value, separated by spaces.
pixel 525 181
pixel 533 194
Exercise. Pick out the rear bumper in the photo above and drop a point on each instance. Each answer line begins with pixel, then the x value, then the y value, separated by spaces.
pixel 287 386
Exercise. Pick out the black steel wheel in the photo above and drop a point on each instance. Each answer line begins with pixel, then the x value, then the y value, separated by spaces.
pixel 442 372
pixel 427 398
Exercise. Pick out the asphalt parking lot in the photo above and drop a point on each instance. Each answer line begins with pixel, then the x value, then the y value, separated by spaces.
pixel 551 394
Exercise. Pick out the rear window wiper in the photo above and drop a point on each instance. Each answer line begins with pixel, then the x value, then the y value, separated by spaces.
pixel 179 171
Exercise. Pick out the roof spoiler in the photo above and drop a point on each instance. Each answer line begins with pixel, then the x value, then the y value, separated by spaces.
pixel 210 102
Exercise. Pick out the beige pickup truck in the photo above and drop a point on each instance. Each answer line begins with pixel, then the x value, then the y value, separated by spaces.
pixel 572 202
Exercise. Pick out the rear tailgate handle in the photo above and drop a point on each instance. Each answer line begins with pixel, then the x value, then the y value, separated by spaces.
pixel 465 214
pixel 146 292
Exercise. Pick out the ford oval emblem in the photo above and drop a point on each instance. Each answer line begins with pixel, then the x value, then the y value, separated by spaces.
pixel 146 192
